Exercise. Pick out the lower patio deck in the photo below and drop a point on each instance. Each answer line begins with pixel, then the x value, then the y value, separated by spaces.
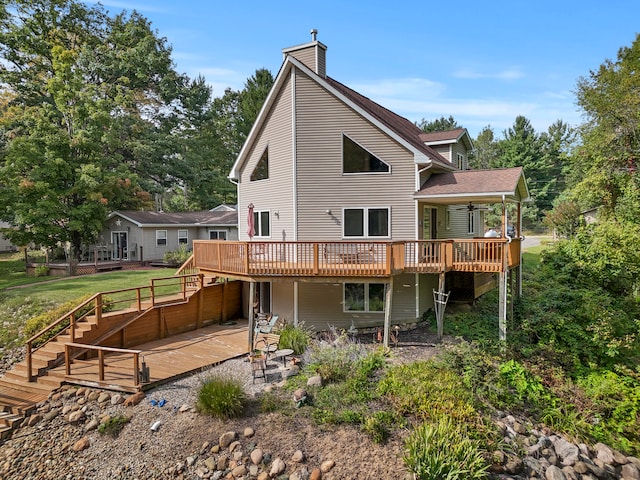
pixel 167 359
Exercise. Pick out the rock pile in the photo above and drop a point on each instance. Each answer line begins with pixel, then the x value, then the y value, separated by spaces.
pixel 540 454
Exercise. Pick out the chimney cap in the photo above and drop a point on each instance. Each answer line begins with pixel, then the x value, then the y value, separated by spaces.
pixel 314 33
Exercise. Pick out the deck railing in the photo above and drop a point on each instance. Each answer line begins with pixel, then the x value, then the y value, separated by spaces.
pixel 68 359
pixel 354 259
pixel 134 300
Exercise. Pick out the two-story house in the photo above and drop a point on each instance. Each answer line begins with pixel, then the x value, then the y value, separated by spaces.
pixel 350 214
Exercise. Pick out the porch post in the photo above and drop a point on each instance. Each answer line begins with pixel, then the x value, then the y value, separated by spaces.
pixel 252 314
pixel 519 270
pixel 388 297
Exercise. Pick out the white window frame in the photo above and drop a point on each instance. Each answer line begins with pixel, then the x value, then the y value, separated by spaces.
pixel 159 238
pixel 219 233
pixel 257 226
pixel 471 222
pixel 183 239
pixel 365 219
pixel 366 150
pixel 366 297
pixel 460 158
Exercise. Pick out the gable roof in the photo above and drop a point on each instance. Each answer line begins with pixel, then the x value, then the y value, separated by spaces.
pixel 399 128
pixel 179 219
pixel 488 186
pixel 448 136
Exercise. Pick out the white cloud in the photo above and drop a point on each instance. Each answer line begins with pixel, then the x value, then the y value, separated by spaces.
pixel 509 74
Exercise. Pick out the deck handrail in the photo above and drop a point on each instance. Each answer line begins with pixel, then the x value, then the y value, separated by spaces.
pixel 96 309
pixel 188 267
pixel 101 351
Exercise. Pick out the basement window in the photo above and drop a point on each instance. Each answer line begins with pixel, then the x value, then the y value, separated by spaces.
pixel 364 297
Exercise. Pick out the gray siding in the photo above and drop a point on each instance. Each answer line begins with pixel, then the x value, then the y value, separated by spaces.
pixel 275 193
pixel 321 121
pixel 459 148
pixel 444 150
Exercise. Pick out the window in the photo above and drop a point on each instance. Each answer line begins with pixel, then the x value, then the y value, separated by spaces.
pixel 261 223
pixel 261 172
pixel 183 237
pixel 217 235
pixel 356 159
pixel 161 238
pixel 364 297
pixel 366 222
pixel 461 161
pixel 471 222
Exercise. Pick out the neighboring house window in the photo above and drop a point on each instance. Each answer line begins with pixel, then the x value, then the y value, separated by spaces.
pixel 261 172
pixel 364 297
pixel 356 159
pixel 471 222
pixel 261 223
pixel 217 235
pixel 183 236
pixel 366 222
pixel 461 161
pixel 447 219
pixel 161 238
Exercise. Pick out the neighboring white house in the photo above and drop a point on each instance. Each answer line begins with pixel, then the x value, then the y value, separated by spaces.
pixel 137 235
pixel 5 243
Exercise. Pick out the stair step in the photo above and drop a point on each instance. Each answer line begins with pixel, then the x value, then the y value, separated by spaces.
pixel 8 419
pixel 24 385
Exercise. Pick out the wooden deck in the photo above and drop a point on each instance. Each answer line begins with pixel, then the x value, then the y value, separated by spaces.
pixel 167 359
pixel 354 259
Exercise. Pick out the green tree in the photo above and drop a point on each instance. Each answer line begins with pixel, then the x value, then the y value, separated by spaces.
pixel 485 152
pixel 92 101
pixel 608 158
pixel 441 124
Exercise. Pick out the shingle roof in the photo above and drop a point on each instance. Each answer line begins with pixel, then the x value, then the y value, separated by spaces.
pixel 179 218
pixel 400 125
pixel 475 182
pixel 441 136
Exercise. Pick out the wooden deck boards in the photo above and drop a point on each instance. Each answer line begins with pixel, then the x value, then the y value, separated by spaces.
pixel 166 359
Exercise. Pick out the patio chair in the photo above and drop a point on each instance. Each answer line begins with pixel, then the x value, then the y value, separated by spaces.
pixel 265 326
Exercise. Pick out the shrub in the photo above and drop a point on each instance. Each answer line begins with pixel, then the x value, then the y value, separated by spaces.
pixel 443 451
pixel 113 426
pixel 221 397
pixel 41 271
pixel 39 322
pixel 333 359
pixel 295 337
pixel 178 256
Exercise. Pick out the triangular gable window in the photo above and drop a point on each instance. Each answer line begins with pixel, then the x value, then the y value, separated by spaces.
pixel 261 172
pixel 356 159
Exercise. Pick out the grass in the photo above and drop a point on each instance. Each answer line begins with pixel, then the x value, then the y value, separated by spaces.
pixel 13 271
pixel 221 397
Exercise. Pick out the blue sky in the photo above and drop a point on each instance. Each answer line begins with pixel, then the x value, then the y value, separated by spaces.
pixel 482 62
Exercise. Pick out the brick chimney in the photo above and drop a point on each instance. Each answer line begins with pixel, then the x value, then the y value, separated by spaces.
pixel 312 54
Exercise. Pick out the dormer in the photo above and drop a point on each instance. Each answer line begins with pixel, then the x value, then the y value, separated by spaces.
pixel 312 54
pixel 454 145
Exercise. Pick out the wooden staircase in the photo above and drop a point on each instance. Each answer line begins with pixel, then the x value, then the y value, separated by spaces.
pixel 19 396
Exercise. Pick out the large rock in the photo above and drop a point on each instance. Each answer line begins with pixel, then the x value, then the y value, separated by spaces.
pixel 327 465
pixel 226 439
pixel 554 473
pixel 256 456
pixel 277 467
pixel 568 452
pixel 76 417
pixel 81 444
pixel 134 399
pixel 630 472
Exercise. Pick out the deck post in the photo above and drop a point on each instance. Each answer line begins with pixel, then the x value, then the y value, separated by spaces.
pixel 440 318
pixel 101 365
pixel 252 296
pixel 67 360
pixel 28 355
pixel 136 370
pixel 98 309
pixel 388 298
pixel 502 305
pixel 201 300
